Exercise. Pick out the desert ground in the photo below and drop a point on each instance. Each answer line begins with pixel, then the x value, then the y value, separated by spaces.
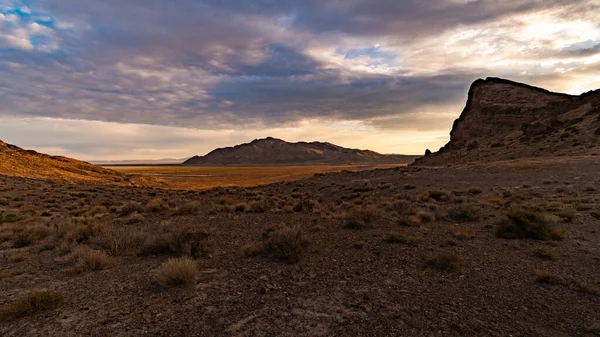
pixel 202 177
pixel 498 249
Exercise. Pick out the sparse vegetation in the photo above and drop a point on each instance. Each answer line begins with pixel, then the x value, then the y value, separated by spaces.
pixel 588 288
pixel 542 276
pixel 545 254
pixel 284 243
pixel 36 302
pixel 397 237
pixel 130 208
pixel 177 272
pixel 93 260
pixel 523 224
pixel 443 261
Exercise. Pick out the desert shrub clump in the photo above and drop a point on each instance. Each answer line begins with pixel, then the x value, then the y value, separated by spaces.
pixel 130 208
pixel 177 272
pixel 284 243
pixel 523 224
pixel 93 260
pixel 443 261
pixel 38 301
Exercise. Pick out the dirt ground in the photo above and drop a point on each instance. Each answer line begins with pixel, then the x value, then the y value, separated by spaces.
pixel 410 251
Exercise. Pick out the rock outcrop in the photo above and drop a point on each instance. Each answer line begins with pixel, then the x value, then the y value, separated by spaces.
pixel 272 151
pixel 509 120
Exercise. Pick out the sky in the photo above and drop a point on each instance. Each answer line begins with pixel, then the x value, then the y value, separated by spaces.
pixel 150 79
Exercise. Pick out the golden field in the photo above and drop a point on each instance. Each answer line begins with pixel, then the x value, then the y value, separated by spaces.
pixel 201 177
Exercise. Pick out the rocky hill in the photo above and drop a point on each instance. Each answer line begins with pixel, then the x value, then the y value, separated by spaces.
pixel 508 120
pixel 272 151
pixel 15 161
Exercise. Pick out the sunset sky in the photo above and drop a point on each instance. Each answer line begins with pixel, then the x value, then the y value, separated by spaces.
pixel 149 79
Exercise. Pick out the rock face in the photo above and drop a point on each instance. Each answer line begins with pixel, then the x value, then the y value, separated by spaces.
pixel 272 151
pixel 509 120
pixel 15 161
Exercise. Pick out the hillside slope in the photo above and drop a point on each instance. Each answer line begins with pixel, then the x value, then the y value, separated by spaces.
pixel 271 151
pixel 508 120
pixel 15 161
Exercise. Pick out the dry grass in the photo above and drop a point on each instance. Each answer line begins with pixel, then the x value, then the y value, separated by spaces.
pixel 397 237
pixel 588 288
pixel 36 302
pixel 284 243
pixel 542 276
pixel 522 224
pixel 545 254
pixel 177 272
pixel 93 260
pixel 198 177
pixel 443 261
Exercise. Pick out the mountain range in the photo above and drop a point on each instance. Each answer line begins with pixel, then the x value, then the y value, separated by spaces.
pixel 272 151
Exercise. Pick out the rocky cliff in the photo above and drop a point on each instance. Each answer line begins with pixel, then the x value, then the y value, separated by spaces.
pixel 508 120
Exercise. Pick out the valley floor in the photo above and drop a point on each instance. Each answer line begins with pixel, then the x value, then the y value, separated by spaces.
pixel 509 249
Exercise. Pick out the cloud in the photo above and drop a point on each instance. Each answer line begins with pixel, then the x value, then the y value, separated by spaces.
pixel 392 66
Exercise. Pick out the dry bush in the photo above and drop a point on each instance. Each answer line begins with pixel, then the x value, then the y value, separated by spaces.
pixel 542 276
pixel 187 208
pixel 92 260
pixel 229 201
pixel 29 235
pixel 156 205
pixel 284 243
pixel 474 190
pixel 38 301
pixel 494 201
pixel 189 242
pixel 461 233
pixel 545 254
pixel 523 224
pixel 118 242
pixel 177 272
pixel 595 214
pixel 397 237
pixel 437 195
pixel 588 288
pixel 443 261
pixel 130 208
pixel 409 187
pixel 361 218
pixel 74 231
pixel 464 213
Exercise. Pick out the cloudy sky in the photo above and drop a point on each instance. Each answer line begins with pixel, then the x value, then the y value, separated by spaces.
pixel 142 79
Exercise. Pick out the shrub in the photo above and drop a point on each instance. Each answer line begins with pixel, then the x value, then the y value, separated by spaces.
pixel 588 288
pixel 443 261
pixel 36 302
pixel 410 187
pixel 545 254
pixel 595 214
pixel 437 195
pixel 361 218
pixel 177 272
pixel 523 224
pixel 397 237
pixel 474 190
pixel 189 242
pixel 542 276
pixel 156 206
pixel 464 213
pixel 92 260
pixel 130 208
pixel 187 208
pixel 568 215
pixel 121 242
pixel 284 243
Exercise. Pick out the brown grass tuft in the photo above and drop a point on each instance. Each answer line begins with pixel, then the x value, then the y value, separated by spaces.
pixel 38 301
pixel 177 272
pixel 443 261
pixel 93 260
